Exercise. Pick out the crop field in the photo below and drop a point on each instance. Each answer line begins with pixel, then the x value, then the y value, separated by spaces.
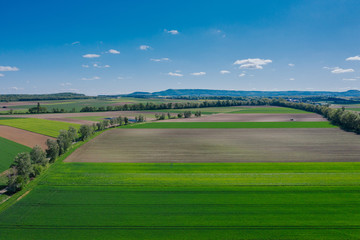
pixel 190 201
pixel 253 117
pixel 70 105
pixel 220 145
pixel 8 150
pixel 169 124
pixel 241 109
pixel 41 126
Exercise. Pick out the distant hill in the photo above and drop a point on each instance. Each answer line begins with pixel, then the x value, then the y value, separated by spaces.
pixel 231 93
pixel 38 97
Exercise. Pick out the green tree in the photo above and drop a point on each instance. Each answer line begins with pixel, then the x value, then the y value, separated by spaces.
pixel 52 151
pixel 38 156
pixel 85 132
pixel 64 141
pixel 72 132
pixel 22 164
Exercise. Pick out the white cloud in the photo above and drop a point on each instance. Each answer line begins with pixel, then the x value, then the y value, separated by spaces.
pixel 113 51
pixel 144 47
pixel 224 72
pixel 175 74
pixel 291 65
pixel 349 79
pixel 2 75
pixel 252 63
pixel 173 32
pixel 90 79
pixel 66 84
pixel 75 43
pixel 292 79
pixel 15 88
pixel 8 69
pixel 159 59
pixel 355 58
pixel 95 65
pixel 91 55
pixel 198 73
pixel 85 66
pixel 120 78
pixel 242 74
pixel 337 70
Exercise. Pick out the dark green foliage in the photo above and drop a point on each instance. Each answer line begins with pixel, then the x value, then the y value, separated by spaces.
pixel 140 118
pixel 187 114
pixel 198 114
pixel 52 150
pixel 22 164
pixel 86 131
pixel 72 132
pixel 64 141
pixel 126 121
pixel 15 183
pixel 38 156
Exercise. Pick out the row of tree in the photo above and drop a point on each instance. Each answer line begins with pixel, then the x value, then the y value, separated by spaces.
pixel 347 120
pixel 27 165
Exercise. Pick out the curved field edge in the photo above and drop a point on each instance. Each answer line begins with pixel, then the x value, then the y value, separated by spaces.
pixel 32 184
pixel 232 125
pixel 42 126
pixel 9 149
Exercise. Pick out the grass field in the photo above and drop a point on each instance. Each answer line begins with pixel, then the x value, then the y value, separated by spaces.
pixel 9 149
pixel 236 110
pixel 190 201
pixel 41 126
pixel 232 125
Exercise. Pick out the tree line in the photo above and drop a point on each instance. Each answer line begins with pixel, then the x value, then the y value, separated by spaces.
pixel 347 120
pixel 28 165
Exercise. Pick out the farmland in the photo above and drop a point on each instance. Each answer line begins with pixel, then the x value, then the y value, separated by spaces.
pixel 199 180
pixel 233 125
pixel 41 126
pixel 187 201
pixel 9 150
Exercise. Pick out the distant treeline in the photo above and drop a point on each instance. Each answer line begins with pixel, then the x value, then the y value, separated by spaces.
pixel 162 106
pixel 39 97
pixel 347 120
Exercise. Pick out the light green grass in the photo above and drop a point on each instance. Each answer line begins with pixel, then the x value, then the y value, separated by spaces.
pixel 232 125
pixel 237 110
pixel 90 118
pixel 41 126
pixel 8 150
pixel 354 109
pixel 190 201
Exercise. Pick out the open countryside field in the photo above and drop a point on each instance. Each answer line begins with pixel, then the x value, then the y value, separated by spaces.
pixel 220 145
pixel 252 117
pixel 41 126
pixel 23 137
pixel 240 109
pixel 169 124
pixel 190 201
pixel 8 150
pixel 70 105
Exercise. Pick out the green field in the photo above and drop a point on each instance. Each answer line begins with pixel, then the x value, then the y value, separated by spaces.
pixel 190 201
pixel 232 125
pixel 8 150
pixel 354 109
pixel 69 105
pixel 41 126
pixel 237 110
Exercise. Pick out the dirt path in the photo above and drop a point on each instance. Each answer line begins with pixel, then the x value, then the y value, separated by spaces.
pixel 23 137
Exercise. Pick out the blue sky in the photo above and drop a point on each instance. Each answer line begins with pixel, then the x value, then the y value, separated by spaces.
pixel 113 47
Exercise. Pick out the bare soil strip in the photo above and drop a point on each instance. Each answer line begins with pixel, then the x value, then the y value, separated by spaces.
pixel 220 145
pixel 26 193
pixel 254 117
pixel 23 137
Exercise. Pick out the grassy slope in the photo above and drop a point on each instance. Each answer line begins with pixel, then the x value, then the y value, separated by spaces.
pixel 190 201
pixel 232 125
pixel 42 126
pixel 9 149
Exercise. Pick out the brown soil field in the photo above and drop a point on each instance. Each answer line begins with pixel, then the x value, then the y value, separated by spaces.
pixel 24 137
pixel 220 145
pixel 253 117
